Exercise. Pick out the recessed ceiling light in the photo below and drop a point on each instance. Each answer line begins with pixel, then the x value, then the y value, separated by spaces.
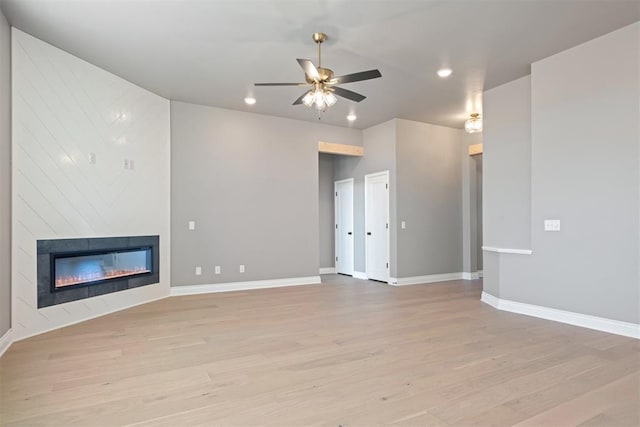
pixel 351 117
pixel 249 100
pixel 444 72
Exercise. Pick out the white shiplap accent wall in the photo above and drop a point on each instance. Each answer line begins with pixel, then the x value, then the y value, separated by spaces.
pixel 64 109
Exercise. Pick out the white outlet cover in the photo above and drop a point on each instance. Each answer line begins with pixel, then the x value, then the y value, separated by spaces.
pixel 403 225
pixel 217 269
pixel 198 271
pixel 551 225
pixel 192 225
pixel 241 268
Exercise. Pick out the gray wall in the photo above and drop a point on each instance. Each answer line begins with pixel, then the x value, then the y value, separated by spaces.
pixel 425 184
pixel 250 182
pixel 5 175
pixel 428 188
pixel 326 201
pixel 379 144
pixel 507 165
pixel 584 171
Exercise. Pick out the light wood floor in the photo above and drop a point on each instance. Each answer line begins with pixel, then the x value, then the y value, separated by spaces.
pixel 347 352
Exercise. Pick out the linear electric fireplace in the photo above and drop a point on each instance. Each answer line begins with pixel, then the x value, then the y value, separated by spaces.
pixel 72 269
pixel 92 267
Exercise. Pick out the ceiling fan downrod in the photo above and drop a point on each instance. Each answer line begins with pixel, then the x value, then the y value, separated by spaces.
pixel 319 38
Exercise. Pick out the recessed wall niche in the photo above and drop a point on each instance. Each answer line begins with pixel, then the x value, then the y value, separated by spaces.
pixel 74 269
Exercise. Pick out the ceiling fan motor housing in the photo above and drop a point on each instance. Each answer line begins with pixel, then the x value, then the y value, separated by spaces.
pixel 326 74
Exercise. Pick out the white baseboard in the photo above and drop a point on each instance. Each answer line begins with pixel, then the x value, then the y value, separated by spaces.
pixel 472 276
pixel 5 341
pixel 611 326
pixel 360 275
pixel 417 280
pixel 327 270
pixel 490 299
pixel 243 286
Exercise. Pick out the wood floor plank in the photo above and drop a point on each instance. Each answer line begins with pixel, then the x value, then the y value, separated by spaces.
pixel 590 406
pixel 346 352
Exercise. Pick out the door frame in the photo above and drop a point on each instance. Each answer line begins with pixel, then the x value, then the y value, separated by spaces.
pixel 335 222
pixel 366 217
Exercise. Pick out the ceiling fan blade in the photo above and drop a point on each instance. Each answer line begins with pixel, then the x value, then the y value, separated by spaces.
pixel 353 96
pixel 281 84
pixel 299 100
pixel 309 69
pixel 356 77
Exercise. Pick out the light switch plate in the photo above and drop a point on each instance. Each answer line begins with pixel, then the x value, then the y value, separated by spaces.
pixel 403 225
pixel 192 225
pixel 217 269
pixel 198 271
pixel 551 225
pixel 241 268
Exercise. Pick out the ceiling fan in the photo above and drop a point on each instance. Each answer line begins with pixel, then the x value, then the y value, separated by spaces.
pixel 323 91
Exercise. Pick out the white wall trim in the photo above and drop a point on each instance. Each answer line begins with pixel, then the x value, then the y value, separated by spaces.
pixel 472 276
pixel 243 286
pixel 5 341
pixel 360 275
pixel 327 270
pixel 507 250
pixel 611 326
pixel 417 280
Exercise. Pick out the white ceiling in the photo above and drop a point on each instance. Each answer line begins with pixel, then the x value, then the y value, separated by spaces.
pixel 212 51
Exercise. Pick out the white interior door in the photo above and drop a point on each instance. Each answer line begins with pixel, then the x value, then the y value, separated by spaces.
pixel 344 226
pixel 376 213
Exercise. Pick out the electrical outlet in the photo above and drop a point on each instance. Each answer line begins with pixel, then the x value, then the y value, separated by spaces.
pixel 241 268
pixel 192 225
pixel 551 225
pixel 217 269
pixel 126 164
pixel 403 225
pixel 198 271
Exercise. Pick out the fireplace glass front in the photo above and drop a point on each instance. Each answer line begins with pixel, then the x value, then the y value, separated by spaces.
pixel 87 268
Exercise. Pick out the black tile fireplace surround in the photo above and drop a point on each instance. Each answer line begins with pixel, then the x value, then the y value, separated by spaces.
pixel 50 250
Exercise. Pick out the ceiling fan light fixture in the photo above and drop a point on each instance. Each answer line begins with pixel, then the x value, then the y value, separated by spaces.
pixel 318 100
pixel 308 99
pixel 330 99
pixel 473 124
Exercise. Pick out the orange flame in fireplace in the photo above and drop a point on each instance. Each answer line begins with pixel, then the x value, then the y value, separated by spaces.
pixel 94 277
